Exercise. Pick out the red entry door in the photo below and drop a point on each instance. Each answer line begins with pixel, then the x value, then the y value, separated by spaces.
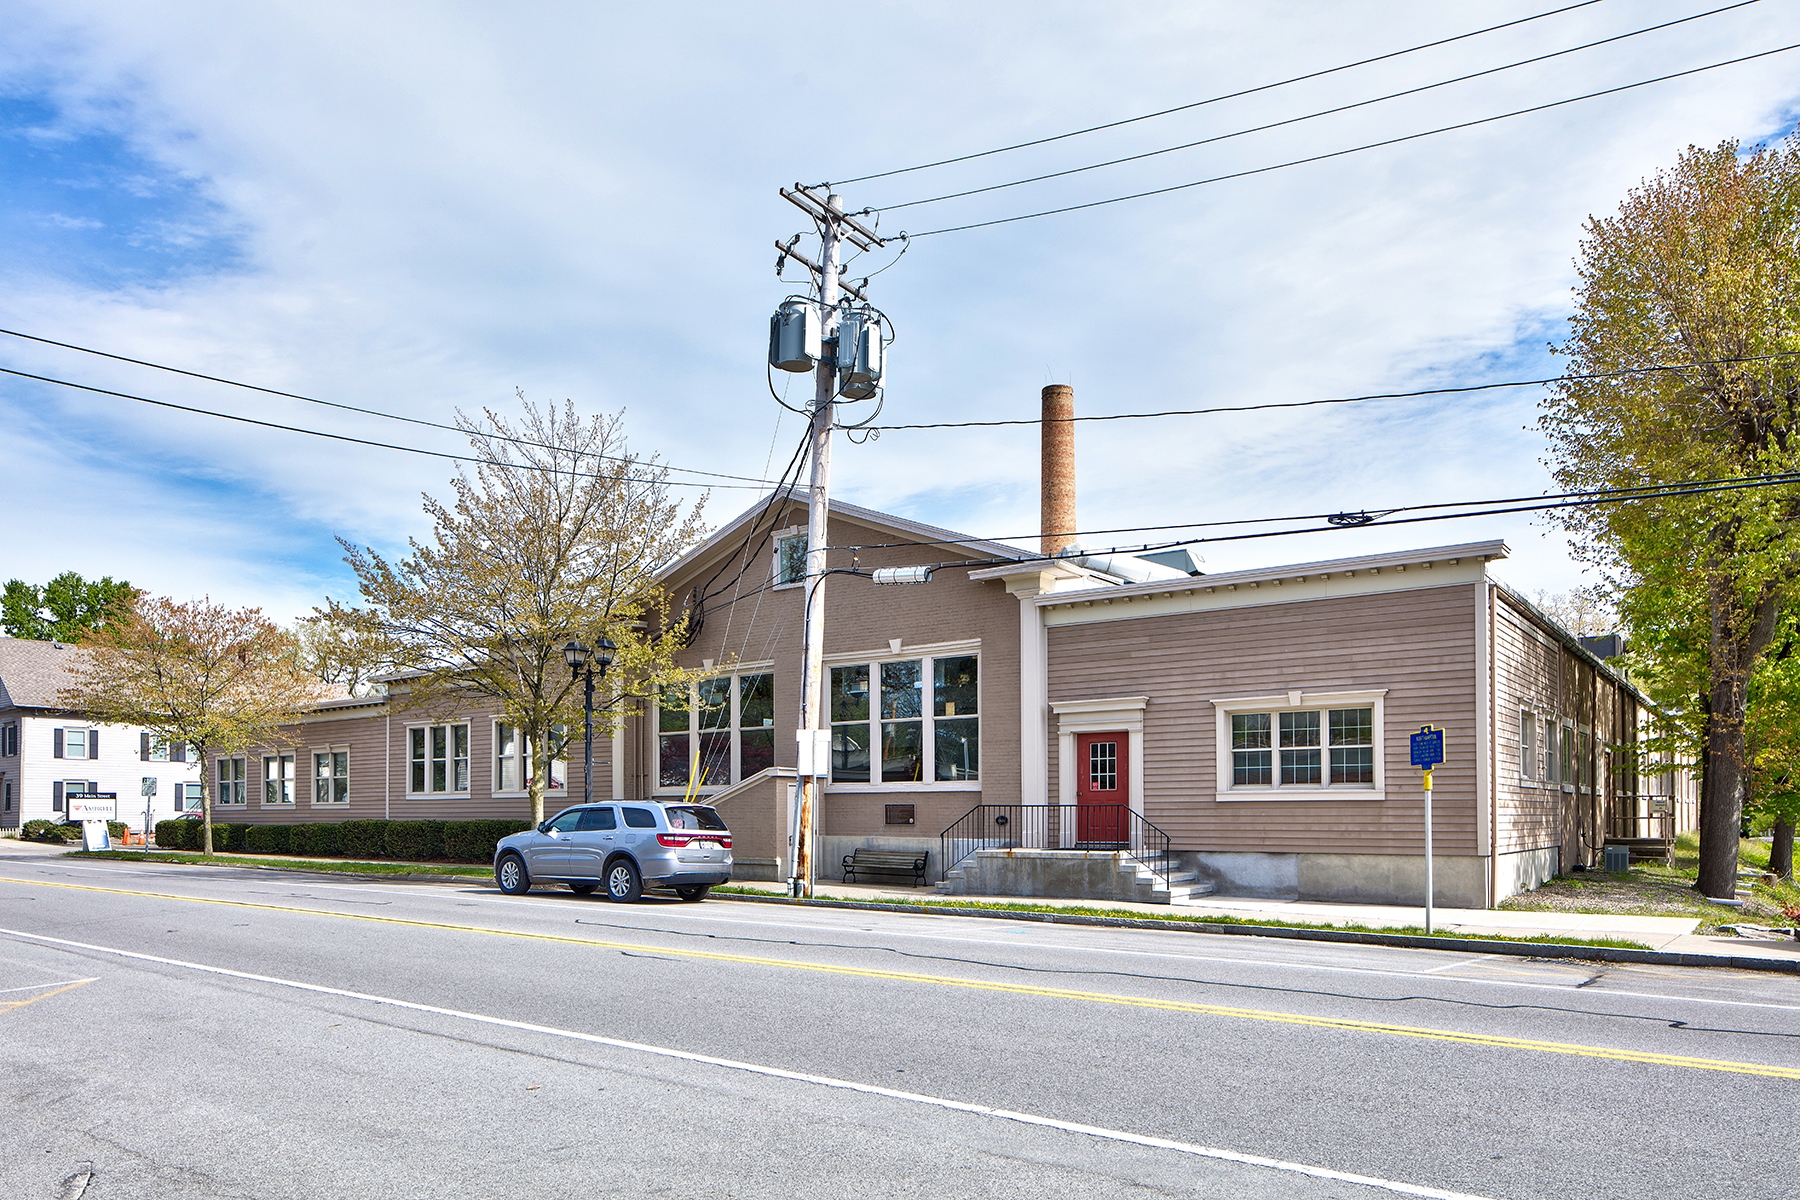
pixel 1101 792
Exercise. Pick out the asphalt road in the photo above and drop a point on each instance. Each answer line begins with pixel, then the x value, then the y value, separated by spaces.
pixel 184 1031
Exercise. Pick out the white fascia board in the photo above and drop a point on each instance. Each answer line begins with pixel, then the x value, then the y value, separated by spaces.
pixel 1437 566
pixel 854 512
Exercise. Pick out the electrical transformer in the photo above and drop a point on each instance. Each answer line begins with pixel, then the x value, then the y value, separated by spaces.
pixel 795 336
pixel 859 354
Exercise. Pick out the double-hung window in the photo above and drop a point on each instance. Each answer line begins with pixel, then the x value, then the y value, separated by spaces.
pixel 1528 747
pixel 331 776
pixel 278 779
pixel 230 772
pixel 1298 746
pixel 438 759
pixel 514 760
pixel 718 732
pixel 909 720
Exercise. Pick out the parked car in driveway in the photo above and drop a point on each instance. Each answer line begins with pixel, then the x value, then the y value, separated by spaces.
pixel 624 847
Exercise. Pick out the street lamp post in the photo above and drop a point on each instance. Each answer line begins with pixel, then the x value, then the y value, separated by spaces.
pixel 582 662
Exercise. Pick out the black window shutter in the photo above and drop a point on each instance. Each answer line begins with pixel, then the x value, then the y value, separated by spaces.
pixel 178 752
pixel 143 747
pixel 93 743
pixel 56 749
pixel 56 793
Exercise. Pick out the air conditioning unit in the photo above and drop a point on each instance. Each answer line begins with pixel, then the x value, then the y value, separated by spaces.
pixel 859 354
pixel 795 336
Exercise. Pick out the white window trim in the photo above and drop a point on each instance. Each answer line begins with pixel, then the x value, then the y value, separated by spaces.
pixel 1567 747
pixel 1298 701
pixel 524 756
pixel 1100 716
pixel 243 780
pixel 967 648
pixel 775 583
pixel 407 760
pixel 292 800
pixel 312 781
pixel 735 673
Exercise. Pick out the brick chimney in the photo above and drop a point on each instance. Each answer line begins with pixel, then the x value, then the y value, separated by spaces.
pixel 1058 471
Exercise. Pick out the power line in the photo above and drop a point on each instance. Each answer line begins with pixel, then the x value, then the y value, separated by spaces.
pixel 1324 112
pixel 342 437
pixel 1362 519
pixel 368 412
pixel 1394 141
pixel 1422 392
pixel 944 162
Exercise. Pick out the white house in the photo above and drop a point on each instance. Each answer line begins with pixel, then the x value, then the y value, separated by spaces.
pixel 55 764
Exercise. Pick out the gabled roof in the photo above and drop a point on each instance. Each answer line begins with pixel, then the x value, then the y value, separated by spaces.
pixel 914 530
pixel 33 674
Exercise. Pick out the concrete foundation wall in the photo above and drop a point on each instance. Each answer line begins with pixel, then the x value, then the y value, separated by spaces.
pixel 1066 874
pixel 832 848
pixel 1523 870
pixel 1460 880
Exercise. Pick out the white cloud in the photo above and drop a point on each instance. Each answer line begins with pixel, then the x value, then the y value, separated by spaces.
pixel 437 203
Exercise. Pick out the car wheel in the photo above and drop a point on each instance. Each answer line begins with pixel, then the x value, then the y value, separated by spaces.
pixel 583 889
pixel 623 883
pixel 511 875
pixel 692 894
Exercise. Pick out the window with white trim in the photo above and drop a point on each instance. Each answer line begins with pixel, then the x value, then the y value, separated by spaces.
pixel 75 743
pixel 230 772
pixel 331 775
pixel 513 760
pixel 1528 751
pixel 1324 745
pixel 722 728
pixel 790 559
pixel 278 779
pixel 438 759
pixel 908 720
pixel 1567 766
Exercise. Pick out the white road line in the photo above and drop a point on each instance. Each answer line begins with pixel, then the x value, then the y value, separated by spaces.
pixel 670 913
pixel 38 987
pixel 1467 962
pixel 1093 1131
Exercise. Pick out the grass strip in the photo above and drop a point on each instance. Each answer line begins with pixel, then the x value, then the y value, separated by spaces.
pixel 1084 910
pixel 454 870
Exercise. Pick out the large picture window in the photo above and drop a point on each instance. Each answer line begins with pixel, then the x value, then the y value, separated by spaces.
pixel 438 759
pixel 1299 746
pixel 718 732
pixel 909 720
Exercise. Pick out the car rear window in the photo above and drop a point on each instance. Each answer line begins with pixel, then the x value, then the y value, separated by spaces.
pixel 688 816
pixel 639 818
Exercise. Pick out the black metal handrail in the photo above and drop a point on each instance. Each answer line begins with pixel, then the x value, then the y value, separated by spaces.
pixel 1113 827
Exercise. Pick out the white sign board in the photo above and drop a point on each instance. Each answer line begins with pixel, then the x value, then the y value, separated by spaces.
pixel 94 836
pixel 93 808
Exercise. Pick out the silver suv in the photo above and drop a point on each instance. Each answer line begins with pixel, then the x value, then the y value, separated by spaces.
pixel 624 846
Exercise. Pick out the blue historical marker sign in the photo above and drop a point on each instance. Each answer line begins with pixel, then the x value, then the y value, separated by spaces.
pixel 1427 747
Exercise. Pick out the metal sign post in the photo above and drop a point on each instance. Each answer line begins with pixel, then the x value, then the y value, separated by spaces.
pixel 1428 752
pixel 148 788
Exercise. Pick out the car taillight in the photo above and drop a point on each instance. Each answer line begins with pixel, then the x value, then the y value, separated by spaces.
pixel 678 840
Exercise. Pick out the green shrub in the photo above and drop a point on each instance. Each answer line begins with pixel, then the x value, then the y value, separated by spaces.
pixel 115 829
pixel 64 833
pixel 268 839
pixel 225 837
pixel 193 834
pixel 415 841
pixel 38 830
pixel 474 841
pixel 362 839
pixel 318 838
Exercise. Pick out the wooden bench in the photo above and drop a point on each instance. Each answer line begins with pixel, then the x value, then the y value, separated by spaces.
pixel 886 862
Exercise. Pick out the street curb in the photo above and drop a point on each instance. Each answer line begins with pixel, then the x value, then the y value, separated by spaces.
pixel 1664 958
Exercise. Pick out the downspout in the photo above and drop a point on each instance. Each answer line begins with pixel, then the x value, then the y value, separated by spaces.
pixel 1494 758
pixel 387 763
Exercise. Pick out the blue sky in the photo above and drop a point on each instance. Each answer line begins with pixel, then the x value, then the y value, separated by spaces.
pixel 422 206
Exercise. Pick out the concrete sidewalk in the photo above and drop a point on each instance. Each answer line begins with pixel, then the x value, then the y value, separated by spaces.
pixel 1657 933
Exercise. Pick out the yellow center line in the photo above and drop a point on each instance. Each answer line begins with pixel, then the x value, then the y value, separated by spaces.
pixel 9 1005
pixel 1015 989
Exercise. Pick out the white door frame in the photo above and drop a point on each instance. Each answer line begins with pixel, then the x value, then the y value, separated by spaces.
pixel 1099 716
